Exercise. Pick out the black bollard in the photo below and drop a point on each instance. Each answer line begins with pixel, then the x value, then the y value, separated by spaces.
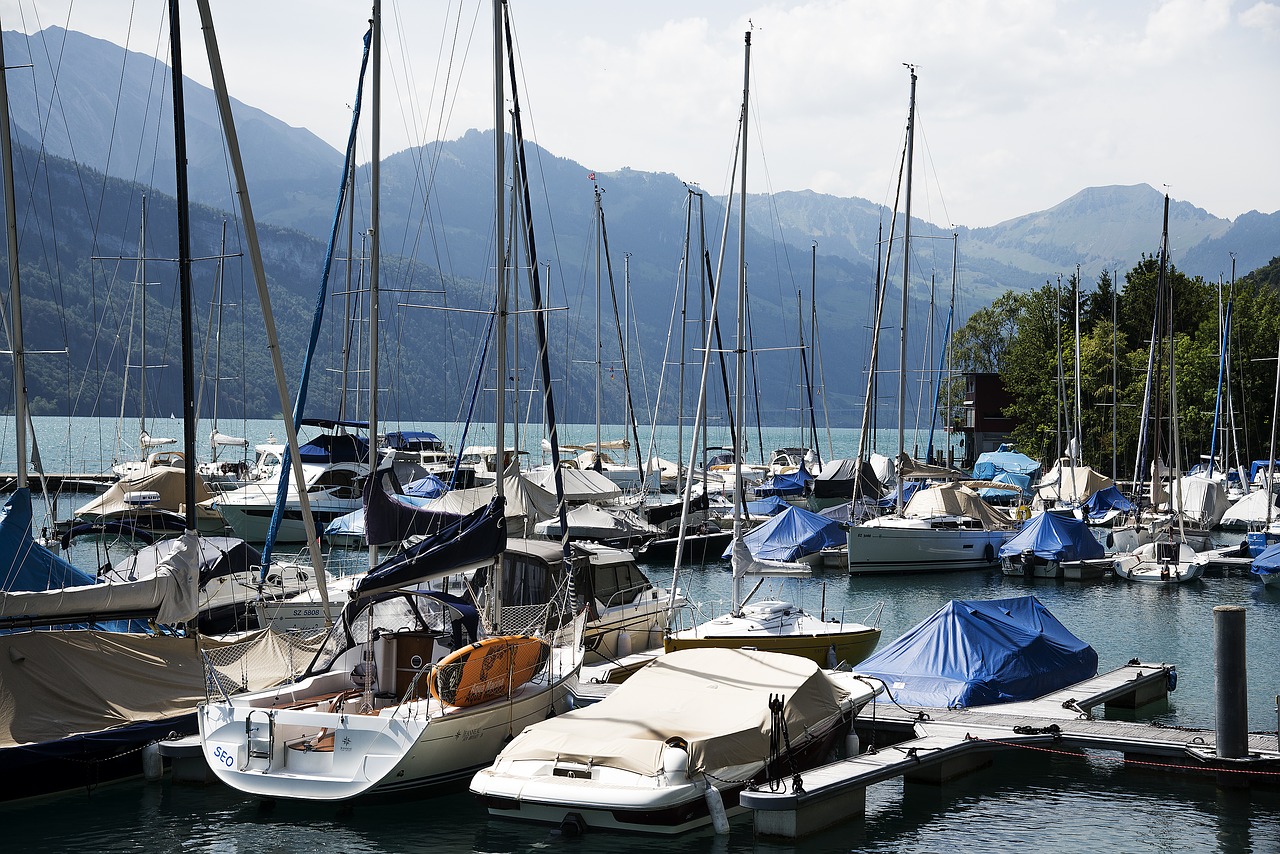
pixel 1229 685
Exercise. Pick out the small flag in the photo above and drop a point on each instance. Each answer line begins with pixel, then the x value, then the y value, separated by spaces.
pixel 591 177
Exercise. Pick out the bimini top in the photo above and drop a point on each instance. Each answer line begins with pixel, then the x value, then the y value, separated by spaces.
pixel 976 653
pixel 716 700
pixel 1053 536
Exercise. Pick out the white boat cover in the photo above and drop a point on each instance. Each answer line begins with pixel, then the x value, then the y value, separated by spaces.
pixel 715 699
pixel 526 502
pixel 598 523
pixel 954 500
pixel 1251 510
pixel 579 484
pixel 169 483
pixel 62 683
pixel 1204 500
pixel 172 593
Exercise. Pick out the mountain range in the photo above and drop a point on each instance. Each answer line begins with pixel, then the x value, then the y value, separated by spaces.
pixel 94 127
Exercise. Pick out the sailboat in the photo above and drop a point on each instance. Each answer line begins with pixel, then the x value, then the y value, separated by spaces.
pixel 945 528
pixel 1167 558
pixel 773 625
pixel 81 706
pixel 406 693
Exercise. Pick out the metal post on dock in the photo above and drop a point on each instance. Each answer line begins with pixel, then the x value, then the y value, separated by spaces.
pixel 1229 685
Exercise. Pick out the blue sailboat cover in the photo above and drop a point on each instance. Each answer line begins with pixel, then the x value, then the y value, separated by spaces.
pixel 27 564
pixel 1022 481
pixel 791 534
pixel 1268 562
pixel 794 483
pixel 1006 459
pixel 771 506
pixel 1105 500
pixel 1053 536
pixel 976 653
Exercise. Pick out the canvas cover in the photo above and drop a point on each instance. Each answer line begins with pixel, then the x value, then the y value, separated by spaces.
pixel 24 563
pixel 169 483
pixel 715 699
pixel 526 502
pixel 587 521
pixel 791 535
pixel 1256 508
pixel 1006 459
pixel 954 500
pixel 838 479
pixel 1268 562
pixel 789 483
pixel 1053 536
pixel 218 556
pixel 1105 500
pixel 58 684
pixel 464 542
pixel 580 485
pixel 1203 499
pixel 171 594
pixel 1069 484
pixel 770 506
pixel 976 653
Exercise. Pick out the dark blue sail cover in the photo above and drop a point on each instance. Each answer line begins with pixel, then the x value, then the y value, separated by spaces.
pixel 1106 500
pixel 792 534
pixel 476 537
pixel 976 653
pixel 1053 536
pixel 390 516
pixel 25 564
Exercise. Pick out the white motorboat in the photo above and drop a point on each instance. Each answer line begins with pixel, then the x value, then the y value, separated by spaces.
pixel 693 727
pixel 1163 561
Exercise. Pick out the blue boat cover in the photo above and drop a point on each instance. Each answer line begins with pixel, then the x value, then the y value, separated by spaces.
pixel 909 488
pixel 426 487
pixel 335 448
pixel 413 439
pixel 1259 465
pixel 770 506
pixel 975 653
pixel 791 534
pixel 1268 562
pixel 794 483
pixel 1006 459
pixel 1105 500
pixel 1053 536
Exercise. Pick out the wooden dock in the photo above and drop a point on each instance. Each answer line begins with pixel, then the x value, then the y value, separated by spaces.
pixel 942 744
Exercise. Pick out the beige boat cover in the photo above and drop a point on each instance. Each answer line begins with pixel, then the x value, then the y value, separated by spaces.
pixel 62 683
pixel 1069 483
pixel 580 485
pixel 955 500
pixel 715 699
pixel 526 503
pixel 169 483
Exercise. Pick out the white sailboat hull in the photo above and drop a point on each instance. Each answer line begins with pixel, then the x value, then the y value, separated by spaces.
pixel 897 544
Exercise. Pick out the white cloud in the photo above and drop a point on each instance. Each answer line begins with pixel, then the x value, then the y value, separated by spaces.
pixel 1262 16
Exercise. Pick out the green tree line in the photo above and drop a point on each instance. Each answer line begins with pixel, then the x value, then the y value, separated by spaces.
pixel 1029 339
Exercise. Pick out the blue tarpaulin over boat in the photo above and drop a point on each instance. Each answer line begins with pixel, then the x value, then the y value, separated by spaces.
pixel 1261 466
pixel 1105 500
pixel 791 534
pixel 1021 481
pixel 794 483
pixel 909 488
pixel 1053 536
pixel 426 487
pixel 1268 562
pixel 1005 459
pixel 975 653
pixel 771 506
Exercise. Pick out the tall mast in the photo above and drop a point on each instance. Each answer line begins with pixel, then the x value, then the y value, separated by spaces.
pixel 500 277
pixel 906 276
pixel 740 377
pixel 375 179
pixel 599 383
pixel 15 291
pixel 184 268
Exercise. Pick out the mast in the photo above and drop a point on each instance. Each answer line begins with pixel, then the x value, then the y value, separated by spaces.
pixel 500 269
pixel 184 269
pixel 906 276
pixel 375 176
pixel 1079 431
pixel 599 369
pixel 219 81
pixel 15 291
pixel 740 370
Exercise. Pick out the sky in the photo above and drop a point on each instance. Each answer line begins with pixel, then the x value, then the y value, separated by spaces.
pixel 1021 103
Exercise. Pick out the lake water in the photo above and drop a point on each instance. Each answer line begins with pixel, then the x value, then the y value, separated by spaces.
pixel 1045 803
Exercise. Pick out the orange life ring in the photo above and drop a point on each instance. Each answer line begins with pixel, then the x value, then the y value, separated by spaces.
pixel 488 669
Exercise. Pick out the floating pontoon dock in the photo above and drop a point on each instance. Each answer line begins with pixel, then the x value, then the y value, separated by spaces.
pixel 942 744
